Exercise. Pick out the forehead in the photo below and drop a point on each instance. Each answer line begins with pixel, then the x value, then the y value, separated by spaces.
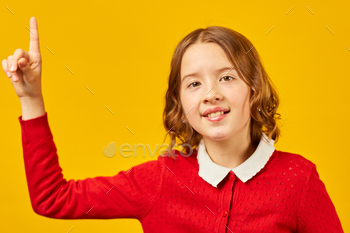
pixel 203 57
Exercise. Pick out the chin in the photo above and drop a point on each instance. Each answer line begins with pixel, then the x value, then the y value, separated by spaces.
pixel 218 136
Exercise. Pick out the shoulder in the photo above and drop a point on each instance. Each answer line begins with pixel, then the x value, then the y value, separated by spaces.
pixel 180 160
pixel 293 161
pixel 163 162
pixel 291 167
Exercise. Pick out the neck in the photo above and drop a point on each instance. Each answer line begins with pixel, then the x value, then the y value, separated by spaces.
pixel 231 152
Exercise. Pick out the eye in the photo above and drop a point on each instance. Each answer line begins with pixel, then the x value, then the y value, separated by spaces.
pixel 193 83
pixel 228 77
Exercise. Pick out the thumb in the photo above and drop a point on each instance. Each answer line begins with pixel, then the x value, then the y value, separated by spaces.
pixel 27 71
pixel 24 65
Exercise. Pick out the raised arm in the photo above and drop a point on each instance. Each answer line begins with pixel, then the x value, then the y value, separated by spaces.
pixel 129 194
pixel 24 70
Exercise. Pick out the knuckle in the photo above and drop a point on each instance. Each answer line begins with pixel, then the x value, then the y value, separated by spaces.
pixel 18 54
pixel 18 51
pixel 4 64
pixel 9 60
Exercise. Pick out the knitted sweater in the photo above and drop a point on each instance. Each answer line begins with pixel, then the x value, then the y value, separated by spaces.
pixel 168 195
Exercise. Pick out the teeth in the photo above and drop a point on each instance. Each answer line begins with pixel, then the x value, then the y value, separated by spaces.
pixel 214 114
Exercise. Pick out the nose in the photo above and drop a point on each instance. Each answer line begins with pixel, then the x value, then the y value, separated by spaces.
pixel 212 95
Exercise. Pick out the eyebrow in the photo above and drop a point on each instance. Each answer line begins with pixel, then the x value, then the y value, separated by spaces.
pixel 218 70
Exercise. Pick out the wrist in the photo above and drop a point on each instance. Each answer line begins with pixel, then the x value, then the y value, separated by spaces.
pixel 31 101
pixel 32 107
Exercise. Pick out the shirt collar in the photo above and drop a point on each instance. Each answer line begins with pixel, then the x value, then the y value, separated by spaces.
pixel 214 173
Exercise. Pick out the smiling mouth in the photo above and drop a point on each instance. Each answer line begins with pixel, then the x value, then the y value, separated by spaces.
pixel 218 114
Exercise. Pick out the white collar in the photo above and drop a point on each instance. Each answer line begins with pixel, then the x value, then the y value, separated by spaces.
pixel 214 173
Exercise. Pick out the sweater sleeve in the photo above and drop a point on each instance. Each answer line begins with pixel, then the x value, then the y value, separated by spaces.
pixel 318 213
pixel 129 194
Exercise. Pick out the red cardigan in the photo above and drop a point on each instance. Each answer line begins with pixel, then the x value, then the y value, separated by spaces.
pixel 168 195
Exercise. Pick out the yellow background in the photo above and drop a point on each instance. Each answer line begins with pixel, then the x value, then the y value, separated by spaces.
pixel 121 51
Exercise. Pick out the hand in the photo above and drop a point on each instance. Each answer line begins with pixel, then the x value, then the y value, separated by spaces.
pixel 24 68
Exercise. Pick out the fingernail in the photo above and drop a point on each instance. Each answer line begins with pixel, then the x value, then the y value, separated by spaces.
pixel 13 68
pixel 8 74
pixel 14 77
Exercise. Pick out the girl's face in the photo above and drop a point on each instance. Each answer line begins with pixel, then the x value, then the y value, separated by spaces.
pixel 211 87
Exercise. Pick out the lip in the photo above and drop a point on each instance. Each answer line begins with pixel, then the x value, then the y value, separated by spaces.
pixel 217 118
pixel 216 109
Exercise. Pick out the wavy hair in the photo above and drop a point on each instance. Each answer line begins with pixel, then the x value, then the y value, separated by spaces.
pixel 241 53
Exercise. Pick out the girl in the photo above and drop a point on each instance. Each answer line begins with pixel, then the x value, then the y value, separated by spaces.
pixel 220 101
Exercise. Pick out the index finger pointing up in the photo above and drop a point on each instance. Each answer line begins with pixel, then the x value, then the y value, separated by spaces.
pixel 34 36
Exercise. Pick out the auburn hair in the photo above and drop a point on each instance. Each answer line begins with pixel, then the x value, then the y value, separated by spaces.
pixel 241 53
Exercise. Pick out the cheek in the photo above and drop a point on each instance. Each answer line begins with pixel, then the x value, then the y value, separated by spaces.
pixel 246 106
pixel 240 101
pixel 189 101
pixel 186 104
pixel 247 109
